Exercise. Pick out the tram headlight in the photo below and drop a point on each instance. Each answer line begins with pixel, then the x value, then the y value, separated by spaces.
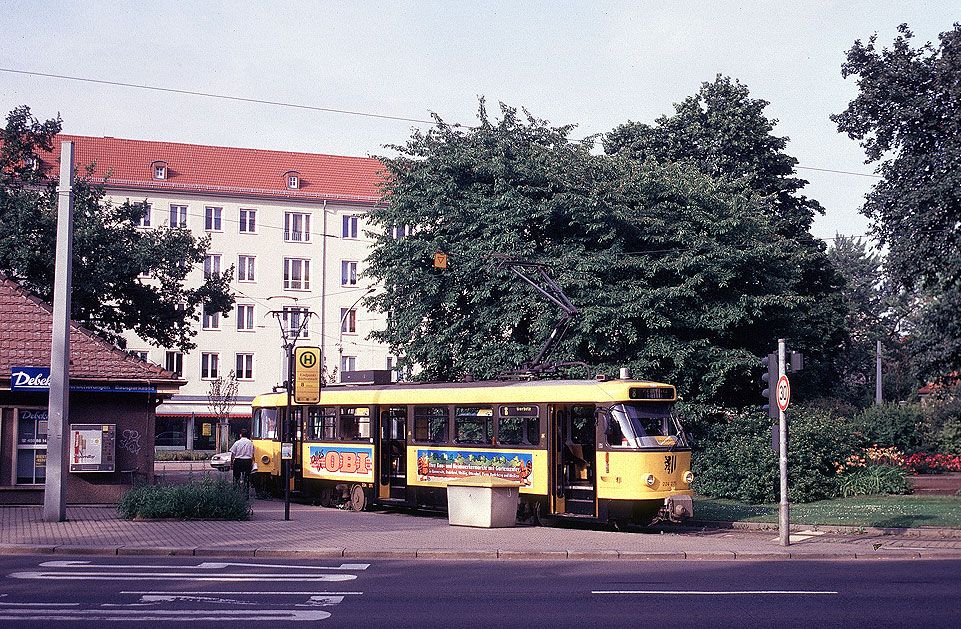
pixel 688 477
pixel 265 459
pixel 650 480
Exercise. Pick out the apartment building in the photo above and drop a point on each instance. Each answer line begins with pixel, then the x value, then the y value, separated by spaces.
pixel 292 226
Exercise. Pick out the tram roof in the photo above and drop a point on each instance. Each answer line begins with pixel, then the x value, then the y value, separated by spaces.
pixel 485 392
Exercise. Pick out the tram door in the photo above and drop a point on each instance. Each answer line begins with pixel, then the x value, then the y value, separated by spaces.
pixel 393 452
pixel 557 429
pixel 579 461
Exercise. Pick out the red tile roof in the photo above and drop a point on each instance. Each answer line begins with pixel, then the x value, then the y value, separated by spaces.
pixel 223 170
pixel 26 332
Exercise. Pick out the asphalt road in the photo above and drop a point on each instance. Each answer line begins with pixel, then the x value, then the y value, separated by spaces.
pixel 40 591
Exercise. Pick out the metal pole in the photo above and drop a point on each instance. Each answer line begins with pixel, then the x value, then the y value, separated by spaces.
pixel 58 408
pixel 877 386
pixel 784 517
pixel 285 437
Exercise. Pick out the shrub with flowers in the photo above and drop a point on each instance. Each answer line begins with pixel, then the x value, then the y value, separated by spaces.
pixel 875 455
pixel 924 463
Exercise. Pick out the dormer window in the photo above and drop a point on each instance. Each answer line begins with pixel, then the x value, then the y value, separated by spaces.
pixel 159 170
pixel 293 179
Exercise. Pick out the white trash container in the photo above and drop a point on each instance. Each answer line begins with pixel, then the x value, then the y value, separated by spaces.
pixel 482 501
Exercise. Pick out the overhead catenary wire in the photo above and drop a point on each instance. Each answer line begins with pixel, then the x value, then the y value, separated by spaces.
pixel 275 103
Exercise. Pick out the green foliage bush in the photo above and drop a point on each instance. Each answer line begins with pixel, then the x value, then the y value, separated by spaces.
pixel 206 499
pixel 733 457
pixel 181 455
pixel 872 480
pixel 951 437
pixel 889 424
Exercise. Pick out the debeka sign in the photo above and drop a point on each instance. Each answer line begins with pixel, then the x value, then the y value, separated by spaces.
pixel 29 378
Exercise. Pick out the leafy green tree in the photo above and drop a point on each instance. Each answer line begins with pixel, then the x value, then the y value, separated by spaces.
pixel 675 272
pixel 723 133
pixel 111 257
pixel 872 316
pixel 907 117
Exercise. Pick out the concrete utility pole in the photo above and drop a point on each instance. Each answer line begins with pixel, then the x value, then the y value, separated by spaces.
pixel 58 409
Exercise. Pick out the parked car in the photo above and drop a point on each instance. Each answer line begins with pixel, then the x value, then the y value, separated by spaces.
pixel 221 461
pixel 171 438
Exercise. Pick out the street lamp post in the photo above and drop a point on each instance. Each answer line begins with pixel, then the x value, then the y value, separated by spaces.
pixel 340 338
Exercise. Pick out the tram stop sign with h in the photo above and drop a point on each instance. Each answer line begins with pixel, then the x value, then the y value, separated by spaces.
pixel 307 375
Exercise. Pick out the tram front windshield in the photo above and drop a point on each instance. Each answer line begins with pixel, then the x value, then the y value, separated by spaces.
pixel 644 425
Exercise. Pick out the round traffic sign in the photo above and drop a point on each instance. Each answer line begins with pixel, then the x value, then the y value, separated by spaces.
pixel 783 393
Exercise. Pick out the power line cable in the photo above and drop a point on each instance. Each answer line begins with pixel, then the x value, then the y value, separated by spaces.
pixel 243 99
pixel 594 139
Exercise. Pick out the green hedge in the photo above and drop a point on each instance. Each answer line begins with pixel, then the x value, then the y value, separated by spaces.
pixel 207 499
pixel 733 457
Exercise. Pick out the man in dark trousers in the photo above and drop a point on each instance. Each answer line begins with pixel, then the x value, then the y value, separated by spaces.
pixel 243 458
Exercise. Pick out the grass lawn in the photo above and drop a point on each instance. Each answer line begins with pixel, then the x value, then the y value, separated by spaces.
pixel 881 511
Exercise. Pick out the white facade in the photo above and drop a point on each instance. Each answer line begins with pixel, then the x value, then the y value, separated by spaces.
pixel 305 241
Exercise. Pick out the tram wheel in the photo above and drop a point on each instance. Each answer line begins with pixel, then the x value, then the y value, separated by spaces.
pixel 326 497
pixel 540 518
pixel 358 499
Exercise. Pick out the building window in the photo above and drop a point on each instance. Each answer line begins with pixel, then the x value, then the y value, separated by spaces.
pixel 293 181
pixel 296 227
pixel 348 363
pixel 348 273
pixel 178 215
pixel 400 231
pixel 211 320
pixel 248 221
pixel 209 365
pixel 212 216
pixel 140 354
pixel 296 274
pixel 175 362
pixel 144 220
pixel 245 269
pixel 348 320
pixel 293 318
pixel 211 266
pixel 245 317
pixel 159 171
pixel 245 367
pixel 350 227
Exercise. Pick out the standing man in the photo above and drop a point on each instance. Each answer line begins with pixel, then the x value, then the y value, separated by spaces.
pixel 243 458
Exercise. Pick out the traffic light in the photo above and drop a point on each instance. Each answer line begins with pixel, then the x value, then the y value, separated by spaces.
pixel 770 378
pixel 795 362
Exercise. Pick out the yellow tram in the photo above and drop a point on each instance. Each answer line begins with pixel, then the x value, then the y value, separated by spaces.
pixel 602 449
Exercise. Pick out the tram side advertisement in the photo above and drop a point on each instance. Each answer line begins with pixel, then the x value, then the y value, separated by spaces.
pixel 445 465
pixel 341 462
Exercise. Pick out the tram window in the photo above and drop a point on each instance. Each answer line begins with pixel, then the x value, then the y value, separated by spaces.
pixel 512 423
pixel 642 425
pixel 354 423
pixel 320 422
pixel 473 424
pixel 394 423
pixel 264 423
pixel 430 423
pixel 582 424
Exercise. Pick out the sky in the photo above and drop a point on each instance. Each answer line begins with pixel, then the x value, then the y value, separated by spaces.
pixel 592 64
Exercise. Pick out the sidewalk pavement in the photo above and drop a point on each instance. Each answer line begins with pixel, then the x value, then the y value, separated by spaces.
pixel 317 532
